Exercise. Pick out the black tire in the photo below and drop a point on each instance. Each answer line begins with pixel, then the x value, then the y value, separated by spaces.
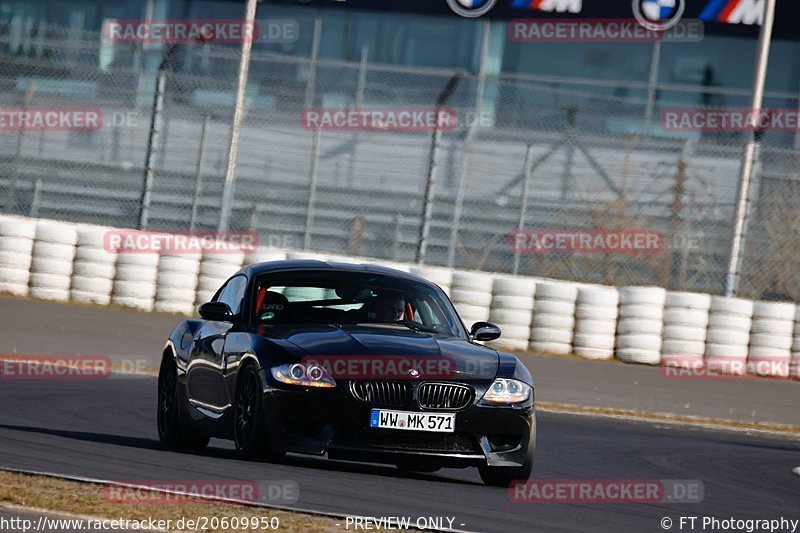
pixel 170 431
pixel 503 476
pixel 250 427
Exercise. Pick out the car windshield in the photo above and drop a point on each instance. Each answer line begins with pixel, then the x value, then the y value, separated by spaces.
pixel 355 298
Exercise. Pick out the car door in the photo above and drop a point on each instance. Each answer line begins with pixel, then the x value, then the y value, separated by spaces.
pixel 205 373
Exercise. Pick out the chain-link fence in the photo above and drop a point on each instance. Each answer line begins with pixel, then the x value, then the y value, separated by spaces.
pixel 540 155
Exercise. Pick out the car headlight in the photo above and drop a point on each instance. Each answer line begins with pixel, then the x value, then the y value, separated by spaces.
pixel 304 375
pixel 507 391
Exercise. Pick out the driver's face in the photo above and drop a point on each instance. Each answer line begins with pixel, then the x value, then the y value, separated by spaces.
pixel 391 310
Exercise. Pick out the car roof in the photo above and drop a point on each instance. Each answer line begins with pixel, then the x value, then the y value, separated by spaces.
pixel 307 264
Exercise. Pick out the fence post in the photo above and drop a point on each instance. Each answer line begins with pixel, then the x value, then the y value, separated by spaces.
pixel 312 188
pixel 751 152
pixel 523 210
pixel 311 83
pixel 238 118
pixel 362 83
pixel 652 85
pixel 198 177
pixel 460 191
pixel 37 191
pixel 430 185
pixel 153 139
pixel 473 127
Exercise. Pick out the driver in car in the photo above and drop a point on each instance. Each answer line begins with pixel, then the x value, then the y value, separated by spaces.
pixel 391 307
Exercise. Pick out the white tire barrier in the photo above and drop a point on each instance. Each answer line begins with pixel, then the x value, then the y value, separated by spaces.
pixel 553 318
pixel 215 270
pixel 771 339
pixel 263 255
pixel 305 256
pixel 685 328
pixel 728 336
pixel 794 366
pixel 176 283
pixel 443 277
pixel 16 248
pixel 52 262
pixel 640 325
pixel 94 268
pixel 135 280
pixel 512 310
pixel 471 293
pixel 595 322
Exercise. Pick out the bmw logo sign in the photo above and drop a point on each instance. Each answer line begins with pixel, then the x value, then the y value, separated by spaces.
pixel 658 15
pixel 414 373
pixel 471 8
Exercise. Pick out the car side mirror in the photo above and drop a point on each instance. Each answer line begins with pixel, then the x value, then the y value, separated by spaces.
pixel 216 311
pixel 484 331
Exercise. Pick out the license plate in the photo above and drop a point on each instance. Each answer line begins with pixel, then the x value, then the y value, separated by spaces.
pixel 438 422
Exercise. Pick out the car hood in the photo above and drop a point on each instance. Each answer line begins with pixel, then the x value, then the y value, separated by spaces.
pixel 462 359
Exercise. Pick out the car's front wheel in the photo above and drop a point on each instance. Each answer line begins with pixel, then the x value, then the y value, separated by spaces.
pixel 250 431
pixel 170 432
pixel 503 476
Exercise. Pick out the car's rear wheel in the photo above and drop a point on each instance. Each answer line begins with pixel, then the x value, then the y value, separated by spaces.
pixel 503 476
pixel 250 431
pixel 170 432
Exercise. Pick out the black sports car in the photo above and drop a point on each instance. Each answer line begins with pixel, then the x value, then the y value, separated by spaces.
pixel 357 362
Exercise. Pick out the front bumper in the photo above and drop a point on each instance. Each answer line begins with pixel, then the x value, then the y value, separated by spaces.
pixel 335 423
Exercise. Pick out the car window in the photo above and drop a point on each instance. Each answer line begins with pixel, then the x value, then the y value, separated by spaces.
pixel 354 298
pixel 232 293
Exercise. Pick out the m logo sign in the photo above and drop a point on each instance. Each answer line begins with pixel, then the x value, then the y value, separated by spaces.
pixel 550 6
pixel 748 12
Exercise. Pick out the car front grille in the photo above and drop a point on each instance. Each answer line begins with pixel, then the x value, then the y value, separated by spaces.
pixel 388 393
pixel 446 396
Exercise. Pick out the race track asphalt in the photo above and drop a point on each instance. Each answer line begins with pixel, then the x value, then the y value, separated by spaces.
pixel 105 429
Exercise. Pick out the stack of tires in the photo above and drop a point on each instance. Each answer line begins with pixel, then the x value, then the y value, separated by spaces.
pixel 794 367
pixel 262 255
pixel 640 324
pixel 135 280
pixel 443 277
pixel 512 310
pixel 553 318
pixel 94 268
pixel 771 339
pixel 53 255
pixel 305 256
pixel 177 283
pixel 402 267
pixel 215 269
pixel 595 322
pixel 472 296
pixel 685 325
pixel 728 336
pixel 16 251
